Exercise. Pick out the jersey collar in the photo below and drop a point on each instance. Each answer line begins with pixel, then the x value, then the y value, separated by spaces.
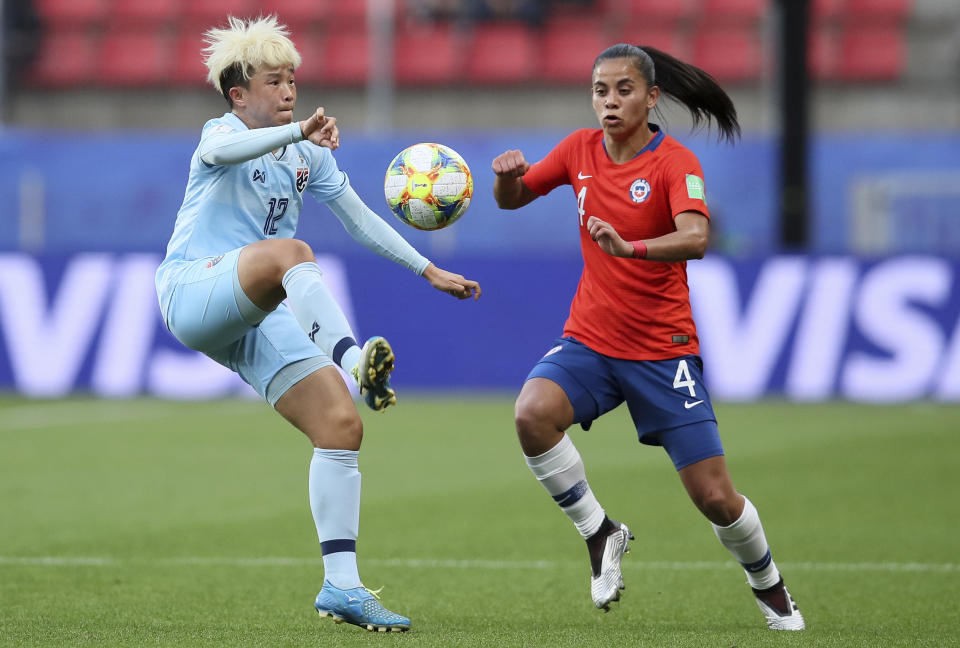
pixel 651 145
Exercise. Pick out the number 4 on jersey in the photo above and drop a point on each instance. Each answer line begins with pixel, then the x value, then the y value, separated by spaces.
pixel 581 197
pixel 683 379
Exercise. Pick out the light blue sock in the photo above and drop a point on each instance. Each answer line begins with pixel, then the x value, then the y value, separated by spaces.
pixel 335 503
pixel 319 315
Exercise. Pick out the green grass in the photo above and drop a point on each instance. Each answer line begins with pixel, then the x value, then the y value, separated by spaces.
pixel 146 523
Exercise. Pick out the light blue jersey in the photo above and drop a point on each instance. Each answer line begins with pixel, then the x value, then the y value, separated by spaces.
pixel 228 206
pixel 246 186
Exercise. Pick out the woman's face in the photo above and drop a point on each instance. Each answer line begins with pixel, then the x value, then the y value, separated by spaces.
pixel 621 97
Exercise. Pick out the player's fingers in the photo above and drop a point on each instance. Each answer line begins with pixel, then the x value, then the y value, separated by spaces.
pixel 329 125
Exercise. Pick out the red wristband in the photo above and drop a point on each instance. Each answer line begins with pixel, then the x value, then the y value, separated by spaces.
pixel 639 249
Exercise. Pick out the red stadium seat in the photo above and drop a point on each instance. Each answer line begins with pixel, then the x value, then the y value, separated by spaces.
pixel 66 58
pixel 729 54
pixel 295 12
pixel 872 53
pixel 135 57
pixel 859 11
pixel 345 58
pixel 427 55
pixel 502 53
pixel 215 12
pixel 674 41
pixel 822 54
pixel 826 10
pixel 736 11
pixel 662 11
pixel 188 67
pixel 311 71
pixel 146 11
pixel 569 48
pixel 72 12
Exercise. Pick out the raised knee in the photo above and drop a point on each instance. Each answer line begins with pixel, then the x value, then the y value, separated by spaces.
pixel 298 251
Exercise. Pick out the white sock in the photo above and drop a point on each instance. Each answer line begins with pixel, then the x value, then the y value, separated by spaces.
pixel 560 470
pixel 319 315
pixel 335 503
pixel 746 541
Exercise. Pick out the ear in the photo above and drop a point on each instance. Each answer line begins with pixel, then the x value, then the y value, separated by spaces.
pixel 652 96
pixel 237 95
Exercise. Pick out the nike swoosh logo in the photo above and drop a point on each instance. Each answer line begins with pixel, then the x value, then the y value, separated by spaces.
pixel 580 176
pixel 688 404
pixel 351 598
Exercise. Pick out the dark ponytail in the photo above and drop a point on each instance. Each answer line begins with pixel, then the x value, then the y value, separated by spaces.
pixel 682 82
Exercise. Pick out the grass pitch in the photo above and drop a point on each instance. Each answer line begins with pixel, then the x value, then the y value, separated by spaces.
pixel 147 523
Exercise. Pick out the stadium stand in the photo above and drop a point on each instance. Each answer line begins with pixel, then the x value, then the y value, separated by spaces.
pixel 850 40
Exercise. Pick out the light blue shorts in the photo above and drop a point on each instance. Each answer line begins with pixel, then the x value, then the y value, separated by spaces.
pixel 209 312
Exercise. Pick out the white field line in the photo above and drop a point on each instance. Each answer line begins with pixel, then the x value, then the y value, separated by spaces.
pixel 43 414
pixel 435 563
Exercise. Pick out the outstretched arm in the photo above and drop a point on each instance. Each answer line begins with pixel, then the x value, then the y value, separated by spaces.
pixel 376 235
pixel 241 146
pixel 688 242
pixel 508 188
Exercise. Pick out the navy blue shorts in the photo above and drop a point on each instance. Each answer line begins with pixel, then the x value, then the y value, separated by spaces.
pixel 667 400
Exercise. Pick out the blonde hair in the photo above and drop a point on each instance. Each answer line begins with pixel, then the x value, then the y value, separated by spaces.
pixel 244 46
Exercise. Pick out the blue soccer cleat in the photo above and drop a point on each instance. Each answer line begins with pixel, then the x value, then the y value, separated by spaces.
pixel 372 374
pixel 360 607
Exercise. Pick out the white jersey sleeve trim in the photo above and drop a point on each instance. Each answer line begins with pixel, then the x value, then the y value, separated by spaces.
pixel 242 146
pixel 373 233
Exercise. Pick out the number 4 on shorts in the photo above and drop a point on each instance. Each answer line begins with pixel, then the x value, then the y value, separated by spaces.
pixel 683 379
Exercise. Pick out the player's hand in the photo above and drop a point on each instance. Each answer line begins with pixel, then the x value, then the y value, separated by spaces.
pixel 607 238
pixel 510 164
pixel 321 130
pixel 451 283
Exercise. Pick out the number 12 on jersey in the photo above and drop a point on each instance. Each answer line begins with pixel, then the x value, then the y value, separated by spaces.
pixel 278 207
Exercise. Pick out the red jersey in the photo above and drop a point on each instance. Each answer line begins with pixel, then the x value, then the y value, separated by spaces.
pixel 628 308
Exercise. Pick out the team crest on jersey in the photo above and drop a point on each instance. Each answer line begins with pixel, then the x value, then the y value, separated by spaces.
pixel 303 174
pixel 639 190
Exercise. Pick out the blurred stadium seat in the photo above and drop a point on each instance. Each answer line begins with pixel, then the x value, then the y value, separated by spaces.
pixel 345 57
pixel 135 57
pixel 661 11
pixel 501 53
pixel 67 57
pixel 675 42
pixel 72 12
pixel 427 55
pixel 569 48
pixel 294 12
pixel 144 11
pixel 733 11
pixel 822 54
pixel 826 10
pixel 188 67
pixel 731 54
pixel 850 39
pixel 872 53
pixel 859 11
pixel 216 11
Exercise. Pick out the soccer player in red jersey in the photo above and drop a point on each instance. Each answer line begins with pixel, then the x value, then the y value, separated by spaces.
pixel 630 336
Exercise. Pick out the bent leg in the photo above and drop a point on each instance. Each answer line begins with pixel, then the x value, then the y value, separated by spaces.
pixel 734 518
pixel 543 412
pixel 321 407
pixel 277 269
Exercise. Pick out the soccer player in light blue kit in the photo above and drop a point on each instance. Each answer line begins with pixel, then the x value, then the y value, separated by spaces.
pixel 231 262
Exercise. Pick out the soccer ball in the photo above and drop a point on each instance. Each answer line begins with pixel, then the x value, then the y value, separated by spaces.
pixel 428 186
